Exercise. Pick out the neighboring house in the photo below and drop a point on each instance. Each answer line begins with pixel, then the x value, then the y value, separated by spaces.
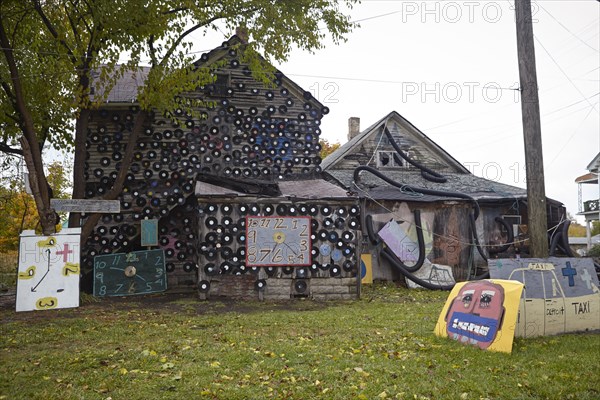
pixel 447 232
pixel 580 244
pixel 590 209
pixel 252 159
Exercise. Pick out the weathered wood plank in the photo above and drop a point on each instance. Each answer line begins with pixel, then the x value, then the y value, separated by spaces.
pixel 86 205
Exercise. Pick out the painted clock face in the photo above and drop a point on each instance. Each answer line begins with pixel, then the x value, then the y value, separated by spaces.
pixel 123 274
pixel 48 273
pixel 278 241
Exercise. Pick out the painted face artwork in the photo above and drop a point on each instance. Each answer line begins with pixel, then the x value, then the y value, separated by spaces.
pixel 475 315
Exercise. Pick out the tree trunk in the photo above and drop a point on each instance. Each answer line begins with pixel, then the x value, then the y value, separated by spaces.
pixel 81 127
pixel 141 119
pixel 29 143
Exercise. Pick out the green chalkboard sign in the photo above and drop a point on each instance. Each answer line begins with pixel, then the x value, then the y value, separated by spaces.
pixel 124 274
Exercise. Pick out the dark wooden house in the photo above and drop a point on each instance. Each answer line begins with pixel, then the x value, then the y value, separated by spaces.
pixel 451 194
pixel 237 190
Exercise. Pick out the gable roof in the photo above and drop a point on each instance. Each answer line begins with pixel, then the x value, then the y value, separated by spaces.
pixel 594 165
pixel 459 180
pixel 331 160
pixel 126 87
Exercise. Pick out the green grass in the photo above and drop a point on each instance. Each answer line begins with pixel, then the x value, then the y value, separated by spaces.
pixel 8 270
pixel 381 346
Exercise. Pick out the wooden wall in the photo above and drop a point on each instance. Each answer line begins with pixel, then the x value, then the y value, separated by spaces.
pixel 240 129
pixel 446 233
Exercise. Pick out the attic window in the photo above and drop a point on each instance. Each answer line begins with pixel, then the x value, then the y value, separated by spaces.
pixel 389 159
pixel 221 86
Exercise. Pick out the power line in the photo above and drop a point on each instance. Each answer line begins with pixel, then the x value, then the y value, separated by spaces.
pixel 565 28
pixel 563 71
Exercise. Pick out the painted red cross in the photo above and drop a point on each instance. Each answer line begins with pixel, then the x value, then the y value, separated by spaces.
pixel 65 252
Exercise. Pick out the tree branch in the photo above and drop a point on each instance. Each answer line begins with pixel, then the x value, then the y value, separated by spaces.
pixel 173 47
pixel 72 23
pixel 52 30
pixel 4 148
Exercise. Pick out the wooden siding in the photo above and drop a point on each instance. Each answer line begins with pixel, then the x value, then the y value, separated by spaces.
pixel 247 131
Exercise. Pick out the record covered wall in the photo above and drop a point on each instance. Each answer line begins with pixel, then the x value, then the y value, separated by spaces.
pixel 251 135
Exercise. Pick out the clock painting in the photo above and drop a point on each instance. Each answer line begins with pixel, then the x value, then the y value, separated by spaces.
pixel 48 274
pixel 278 241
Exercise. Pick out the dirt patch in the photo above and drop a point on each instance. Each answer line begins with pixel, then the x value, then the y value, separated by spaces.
pixel 160 303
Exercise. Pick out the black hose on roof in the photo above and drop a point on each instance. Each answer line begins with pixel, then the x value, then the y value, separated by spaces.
pixel 426 173
pixel 432 192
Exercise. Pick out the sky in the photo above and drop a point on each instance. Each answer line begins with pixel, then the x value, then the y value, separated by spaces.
pixel 451 69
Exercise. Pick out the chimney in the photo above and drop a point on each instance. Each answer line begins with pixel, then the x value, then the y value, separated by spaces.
pixel 353 127
pixel 242 33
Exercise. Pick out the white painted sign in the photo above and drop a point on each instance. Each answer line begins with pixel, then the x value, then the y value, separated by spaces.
pixel 48 274
pixel 86 205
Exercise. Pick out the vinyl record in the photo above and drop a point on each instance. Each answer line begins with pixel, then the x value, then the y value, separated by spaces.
pixel 353 223
pixel 211 222
pixel 342 212
pixel 260 284
pixel 300 286
pixel 225 267
pixel 282 209
pixel 347 236
pixel 189 267
pixel 337 255
pixel 315 252
pixel 226 252
pixel 348 265
pixel 332 236
pixel 301 273
pixel 339 223
pixel 325 249
pixel 335 271
pixel 326 210
pixel 211 253
pixel 287 270
pixel 268 209
pixel 203 286
pixel 323 234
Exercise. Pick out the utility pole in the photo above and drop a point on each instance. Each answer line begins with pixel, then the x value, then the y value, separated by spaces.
pixel 532 133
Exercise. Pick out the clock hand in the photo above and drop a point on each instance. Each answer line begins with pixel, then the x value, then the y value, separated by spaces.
pixel 289 247
pixel 38 284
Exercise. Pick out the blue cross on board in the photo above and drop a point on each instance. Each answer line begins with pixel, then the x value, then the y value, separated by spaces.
pixel 570 272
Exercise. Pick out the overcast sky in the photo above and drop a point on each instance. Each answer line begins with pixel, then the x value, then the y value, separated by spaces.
pixel 450 68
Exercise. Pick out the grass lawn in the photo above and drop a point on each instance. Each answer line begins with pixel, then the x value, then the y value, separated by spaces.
pixel 176 347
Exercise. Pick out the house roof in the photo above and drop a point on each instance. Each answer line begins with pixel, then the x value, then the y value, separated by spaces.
pixel 594 165
pixel 583 240
pixel 480 188
pixel 302 189
pixel 587 178
pixel 459 180
pixel 330 161
pixel 126 87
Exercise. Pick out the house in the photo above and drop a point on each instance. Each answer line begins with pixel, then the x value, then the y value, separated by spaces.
pixel 421 185
pixel 590 209
pixel 234 191
pixel 580 244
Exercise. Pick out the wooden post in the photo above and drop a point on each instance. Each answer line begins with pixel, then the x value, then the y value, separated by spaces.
pixel 530 109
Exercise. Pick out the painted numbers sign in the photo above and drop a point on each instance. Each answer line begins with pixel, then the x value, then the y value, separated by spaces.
pixel 48 275
pixel 278 241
